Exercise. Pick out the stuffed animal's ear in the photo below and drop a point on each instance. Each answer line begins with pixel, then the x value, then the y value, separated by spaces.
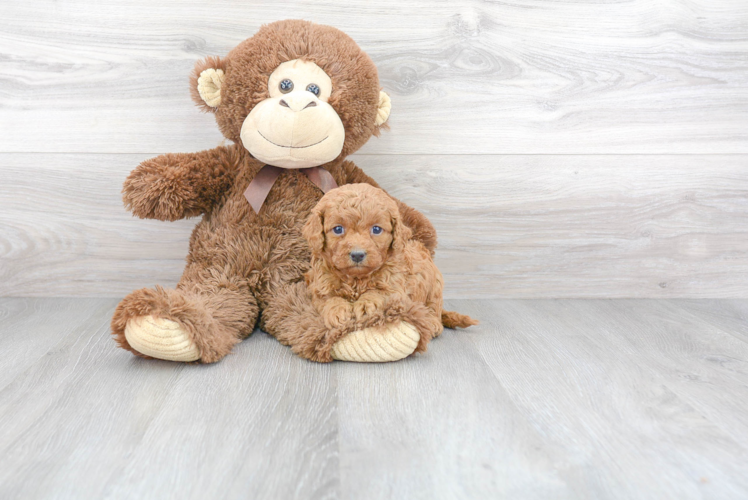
pixel 383 111
pixel 206 82
pixel 314 230
pixel 401 233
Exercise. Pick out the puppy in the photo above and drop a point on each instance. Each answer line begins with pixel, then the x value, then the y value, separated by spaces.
pixel 365 267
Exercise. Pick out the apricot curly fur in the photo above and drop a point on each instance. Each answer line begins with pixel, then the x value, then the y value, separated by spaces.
pixel 397 279
pixel 245 269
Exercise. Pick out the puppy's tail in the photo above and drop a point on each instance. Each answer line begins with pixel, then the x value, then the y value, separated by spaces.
pixel 452 319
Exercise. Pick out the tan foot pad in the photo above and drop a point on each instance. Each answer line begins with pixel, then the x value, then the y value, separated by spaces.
pixel 377 345
pixel 160 338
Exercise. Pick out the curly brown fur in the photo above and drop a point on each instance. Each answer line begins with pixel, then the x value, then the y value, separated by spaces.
pixel 304 330
pixel 176 186
pixel 240 262
pixel 452 319
pixel 215 319
pixel 365 266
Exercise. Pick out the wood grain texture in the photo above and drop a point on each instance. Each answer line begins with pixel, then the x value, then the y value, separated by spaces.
pixel 64 228
pixel 440 426
pixel 577 399
pixel 730 315
pixel 28 335
pixel 629 377
pixel 88 420
pixel 509 226
pixel 531 76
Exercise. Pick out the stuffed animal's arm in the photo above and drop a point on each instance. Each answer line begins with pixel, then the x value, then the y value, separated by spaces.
pixel 422 228
pixel 175 186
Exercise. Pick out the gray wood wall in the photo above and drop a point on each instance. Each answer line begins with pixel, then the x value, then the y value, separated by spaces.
pixel 561 148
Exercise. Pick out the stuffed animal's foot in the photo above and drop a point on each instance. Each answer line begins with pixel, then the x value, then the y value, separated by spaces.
pixel 181 326
pixel 377 344
pixel 160 338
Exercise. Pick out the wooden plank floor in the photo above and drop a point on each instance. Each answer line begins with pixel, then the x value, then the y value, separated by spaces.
pixel 545 399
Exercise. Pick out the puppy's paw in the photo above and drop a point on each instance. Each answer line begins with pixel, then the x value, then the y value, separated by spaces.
pixel 396 304
pixel 367 306
pixel 337 313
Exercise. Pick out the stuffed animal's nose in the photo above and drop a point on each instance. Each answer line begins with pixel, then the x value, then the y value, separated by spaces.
pixel 357 256
pixel 298 101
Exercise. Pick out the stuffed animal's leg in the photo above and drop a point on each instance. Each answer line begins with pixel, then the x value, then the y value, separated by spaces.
pixel 195 322
pixel 291 317
pixel 377 344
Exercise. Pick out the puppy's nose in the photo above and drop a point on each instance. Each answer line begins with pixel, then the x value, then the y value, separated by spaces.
pixel 357 256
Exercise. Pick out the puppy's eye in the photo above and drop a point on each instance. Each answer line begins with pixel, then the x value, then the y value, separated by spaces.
pixel 285 86
pixel 376 230
pixel 313 88
pixel 338 230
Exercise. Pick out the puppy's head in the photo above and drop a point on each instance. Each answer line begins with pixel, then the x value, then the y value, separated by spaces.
pixel 354 227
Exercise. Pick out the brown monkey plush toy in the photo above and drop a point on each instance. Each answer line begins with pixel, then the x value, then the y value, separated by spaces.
pixel 296 99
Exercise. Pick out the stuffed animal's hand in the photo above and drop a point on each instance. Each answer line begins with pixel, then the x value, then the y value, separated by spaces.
pixel 175 186
pixel 337 312
pixel 154 189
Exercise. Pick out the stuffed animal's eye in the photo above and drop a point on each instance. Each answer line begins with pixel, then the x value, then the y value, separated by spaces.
pixel 313 88
pixel 376 230
pixel 338 230
pixel 286 86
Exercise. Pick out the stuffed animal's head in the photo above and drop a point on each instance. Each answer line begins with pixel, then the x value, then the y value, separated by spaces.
pixel 354 228
pixel 295 95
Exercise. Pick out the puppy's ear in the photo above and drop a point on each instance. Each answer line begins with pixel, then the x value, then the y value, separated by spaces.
pixel 401 233
pixel 314 230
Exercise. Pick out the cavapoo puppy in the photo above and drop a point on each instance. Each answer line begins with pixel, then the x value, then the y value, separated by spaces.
pixel 365 266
